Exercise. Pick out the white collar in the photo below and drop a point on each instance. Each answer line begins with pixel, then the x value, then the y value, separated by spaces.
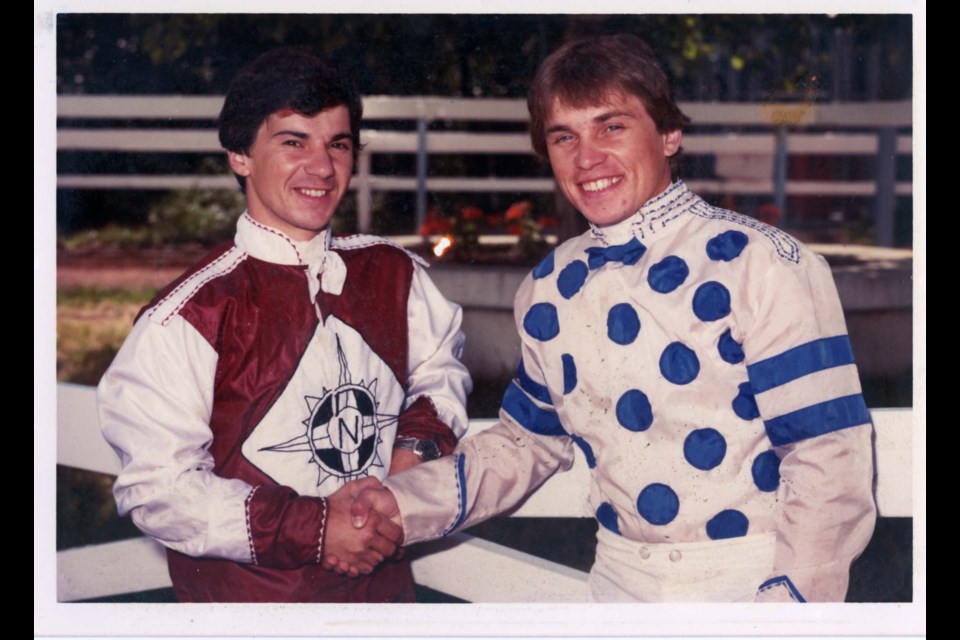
pixel 652 218
pixel 272 245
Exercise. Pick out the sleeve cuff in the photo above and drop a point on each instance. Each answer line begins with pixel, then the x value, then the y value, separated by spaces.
pixel 779 589
pixel 322 537
pixel 422 421
pixel 429 514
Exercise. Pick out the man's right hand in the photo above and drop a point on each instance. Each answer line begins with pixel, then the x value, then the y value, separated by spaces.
pixel 373 505
pixel 356 547
pixel 376 501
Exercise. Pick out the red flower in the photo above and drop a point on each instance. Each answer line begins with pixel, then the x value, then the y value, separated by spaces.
pixel 517 210
pixel 547 222
pixel 472 213
pixel 435 226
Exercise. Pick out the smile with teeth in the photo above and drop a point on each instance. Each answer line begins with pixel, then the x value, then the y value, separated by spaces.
pixel 313 193
pixel 601 184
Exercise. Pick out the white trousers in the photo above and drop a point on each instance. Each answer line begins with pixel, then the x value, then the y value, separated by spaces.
pixel 713 571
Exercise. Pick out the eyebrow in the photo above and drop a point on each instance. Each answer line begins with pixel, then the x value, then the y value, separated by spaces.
pixel 555 128
pixel 603 117
pixel 288 132
pixel 300 135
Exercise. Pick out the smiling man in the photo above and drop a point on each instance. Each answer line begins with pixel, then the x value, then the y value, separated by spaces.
pixel 698 359
pixel 286 364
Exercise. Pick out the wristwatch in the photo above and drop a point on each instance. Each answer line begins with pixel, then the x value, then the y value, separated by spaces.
pixel 426 450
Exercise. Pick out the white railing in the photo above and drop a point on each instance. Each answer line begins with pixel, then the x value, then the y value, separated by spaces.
pixel 463 566
pixel 753 159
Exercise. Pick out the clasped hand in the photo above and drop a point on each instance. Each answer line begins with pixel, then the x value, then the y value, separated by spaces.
pixel 363 528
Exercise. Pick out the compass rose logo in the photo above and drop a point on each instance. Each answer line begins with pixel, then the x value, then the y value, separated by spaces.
pixel 342 431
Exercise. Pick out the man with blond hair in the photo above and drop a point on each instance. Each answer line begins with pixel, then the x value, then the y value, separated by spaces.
pixel 697 357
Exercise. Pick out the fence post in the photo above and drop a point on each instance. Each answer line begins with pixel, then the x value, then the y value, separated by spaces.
pixel 364 195
pixel 780 158
pixel 421 206
pixel 883 212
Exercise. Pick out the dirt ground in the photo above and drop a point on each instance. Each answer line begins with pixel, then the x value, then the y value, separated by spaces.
pixel 123 269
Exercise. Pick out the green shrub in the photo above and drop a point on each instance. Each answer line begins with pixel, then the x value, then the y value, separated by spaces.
pixel 206 216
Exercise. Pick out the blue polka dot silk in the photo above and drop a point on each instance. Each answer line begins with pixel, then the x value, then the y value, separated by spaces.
pixel 676 351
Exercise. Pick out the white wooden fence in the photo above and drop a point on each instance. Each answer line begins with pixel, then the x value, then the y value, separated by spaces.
pixel 752 143
pixel 463 566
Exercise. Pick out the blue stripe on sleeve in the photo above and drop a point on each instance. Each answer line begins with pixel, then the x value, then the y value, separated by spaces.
pixel 521 408
pixel 818 419
pixel 531 386
pixel 462 485
pixel 805 359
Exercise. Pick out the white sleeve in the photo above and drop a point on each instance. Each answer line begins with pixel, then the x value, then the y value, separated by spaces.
pixel 802 370
pixel 487 474
pixel 155 403
pixel 490 472
pixel 436 346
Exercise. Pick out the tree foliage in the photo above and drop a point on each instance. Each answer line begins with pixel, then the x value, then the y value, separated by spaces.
pixel 738 57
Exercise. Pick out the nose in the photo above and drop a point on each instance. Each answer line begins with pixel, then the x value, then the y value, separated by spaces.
pixel 320 163
pixel 589 155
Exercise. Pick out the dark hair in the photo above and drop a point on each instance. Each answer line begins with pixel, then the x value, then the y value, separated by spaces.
pixel 296 78
pixel 586 71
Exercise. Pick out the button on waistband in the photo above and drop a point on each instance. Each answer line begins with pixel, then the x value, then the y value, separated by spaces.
pixel 675 556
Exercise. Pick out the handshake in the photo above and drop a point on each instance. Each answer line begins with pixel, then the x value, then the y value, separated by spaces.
pixel 363 528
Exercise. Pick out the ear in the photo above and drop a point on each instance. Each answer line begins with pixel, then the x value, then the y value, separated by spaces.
pixel 671 142
pixel 239 162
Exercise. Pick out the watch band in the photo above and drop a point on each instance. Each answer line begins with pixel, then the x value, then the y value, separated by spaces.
pixel 426 450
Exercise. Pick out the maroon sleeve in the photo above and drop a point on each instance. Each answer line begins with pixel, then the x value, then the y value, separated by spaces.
pixel 286 529
pixel 420 421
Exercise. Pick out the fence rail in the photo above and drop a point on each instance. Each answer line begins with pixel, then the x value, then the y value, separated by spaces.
pixel 496 573
pixel 770 134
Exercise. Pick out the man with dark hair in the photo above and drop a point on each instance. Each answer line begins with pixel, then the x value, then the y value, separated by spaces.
pixel 698 359
pixel 287 78
pixel 286 364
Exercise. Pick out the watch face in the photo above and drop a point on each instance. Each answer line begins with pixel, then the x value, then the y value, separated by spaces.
pixel 424 449
pixel 427 450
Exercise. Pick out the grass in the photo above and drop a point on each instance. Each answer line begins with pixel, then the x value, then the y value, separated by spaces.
pixel 91 326
pixel 93 296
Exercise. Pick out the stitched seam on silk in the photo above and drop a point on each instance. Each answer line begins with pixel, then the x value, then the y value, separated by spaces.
pixel 785 246
pixel 197 285
pixel 669 212
pixel 279 235
pixel 667 203
pixel 461 495
pixel 246 510
pixel 193 281
pixel 362 241
pixel 323 526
